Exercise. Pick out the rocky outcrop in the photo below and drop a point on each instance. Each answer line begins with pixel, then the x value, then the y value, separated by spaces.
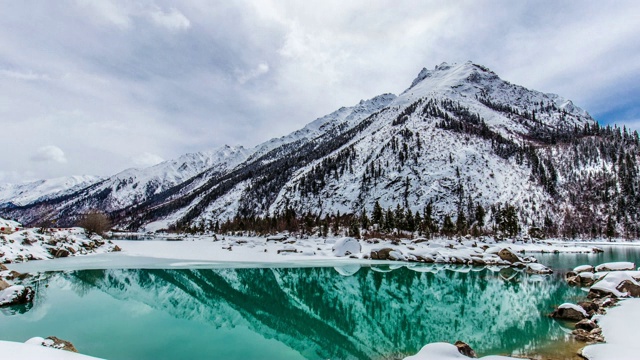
pixel 465 349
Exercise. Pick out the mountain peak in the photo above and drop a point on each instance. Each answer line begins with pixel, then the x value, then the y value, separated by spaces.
pixel 451 75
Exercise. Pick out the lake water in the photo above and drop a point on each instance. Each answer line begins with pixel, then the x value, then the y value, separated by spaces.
pixel 347 312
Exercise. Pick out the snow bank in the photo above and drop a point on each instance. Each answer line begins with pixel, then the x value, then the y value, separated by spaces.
pixel 446 351
pixel 35 351
pixel 619 327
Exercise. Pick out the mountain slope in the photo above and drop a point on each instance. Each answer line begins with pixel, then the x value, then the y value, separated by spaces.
pixel 25 193
pixel 458 138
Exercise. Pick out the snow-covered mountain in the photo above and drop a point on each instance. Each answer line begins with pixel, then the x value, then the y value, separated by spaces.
pixel 26 193
pixel 458 137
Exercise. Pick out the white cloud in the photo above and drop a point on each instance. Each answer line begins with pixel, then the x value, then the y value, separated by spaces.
pixel 49 153
pixel 20 75
pixel 260 70
pixel 147 159
pixel 172 19
pixel 108 11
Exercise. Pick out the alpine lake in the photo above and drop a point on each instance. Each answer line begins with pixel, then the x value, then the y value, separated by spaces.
pixel 354 311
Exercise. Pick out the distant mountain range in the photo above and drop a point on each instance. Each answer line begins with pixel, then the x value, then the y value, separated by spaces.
pixel 457 138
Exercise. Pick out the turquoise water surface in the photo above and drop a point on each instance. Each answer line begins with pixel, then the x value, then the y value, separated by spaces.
pixel 348 312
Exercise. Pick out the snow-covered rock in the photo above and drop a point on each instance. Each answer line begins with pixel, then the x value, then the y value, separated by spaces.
pixel 346 246
pixel 615 266
pixel 15 295
pixel 568 311
pixel 42 243
pixel 446 351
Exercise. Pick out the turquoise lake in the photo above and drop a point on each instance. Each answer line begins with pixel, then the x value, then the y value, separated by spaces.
pixel 347 312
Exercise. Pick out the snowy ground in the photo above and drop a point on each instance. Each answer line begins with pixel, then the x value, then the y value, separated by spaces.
pixel 39 244
pixel 18 350
pixel 619 327
pixel 262 250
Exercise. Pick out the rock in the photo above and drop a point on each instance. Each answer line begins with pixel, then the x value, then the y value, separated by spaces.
pixel 2 267
pixel 586 324
pixel 629 287
pixel 606 301
pixel 507 255
pixel 59 253
pixel 16 295
pixel 3 284
pixel 538 269
pixel 59 344
pixel 574 281
pixel 586 336
pixel 382 254
pixel 569 312
pixel 616 266
pixel 596 293
pixel 583 268
pixel 116 248
pixel 465 349
pixel 591 307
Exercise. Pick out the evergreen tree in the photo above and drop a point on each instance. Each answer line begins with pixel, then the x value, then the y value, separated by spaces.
pixel 461 223
pixel 611 230
pixel 448 229
pixel 378 215
pixel 479 215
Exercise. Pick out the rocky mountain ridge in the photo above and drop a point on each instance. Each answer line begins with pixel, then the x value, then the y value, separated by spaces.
pixel 459 137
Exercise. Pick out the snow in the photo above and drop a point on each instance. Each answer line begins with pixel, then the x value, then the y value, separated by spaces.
pixel 445 351
pixel 616 266
pixel 38 244
pixel 7 295
pixel 575 307
pixel 32 350
pixel 619 327
pixel 583 268
pixel 538 268
pixel 346 246
pixel 610 282
pixel 28 192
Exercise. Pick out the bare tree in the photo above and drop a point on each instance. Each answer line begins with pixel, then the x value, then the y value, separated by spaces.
pixel 95 222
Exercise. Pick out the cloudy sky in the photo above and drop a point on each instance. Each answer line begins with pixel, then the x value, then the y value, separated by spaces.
pixel 94 87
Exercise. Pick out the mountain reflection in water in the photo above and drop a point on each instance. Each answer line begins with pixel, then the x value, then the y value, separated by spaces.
pixel 345 312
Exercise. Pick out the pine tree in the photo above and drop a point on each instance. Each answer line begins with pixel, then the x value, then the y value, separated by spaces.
pixel 378 215
pixel 448 229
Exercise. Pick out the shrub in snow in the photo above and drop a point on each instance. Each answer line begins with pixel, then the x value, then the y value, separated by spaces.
pixel 346 246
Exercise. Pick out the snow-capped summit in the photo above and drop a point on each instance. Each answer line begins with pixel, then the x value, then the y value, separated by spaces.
pixel 25 193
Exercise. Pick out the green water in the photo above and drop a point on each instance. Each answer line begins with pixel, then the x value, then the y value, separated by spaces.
pixel 350 312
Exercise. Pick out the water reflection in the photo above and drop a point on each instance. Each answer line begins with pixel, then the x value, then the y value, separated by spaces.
pixel 346 312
